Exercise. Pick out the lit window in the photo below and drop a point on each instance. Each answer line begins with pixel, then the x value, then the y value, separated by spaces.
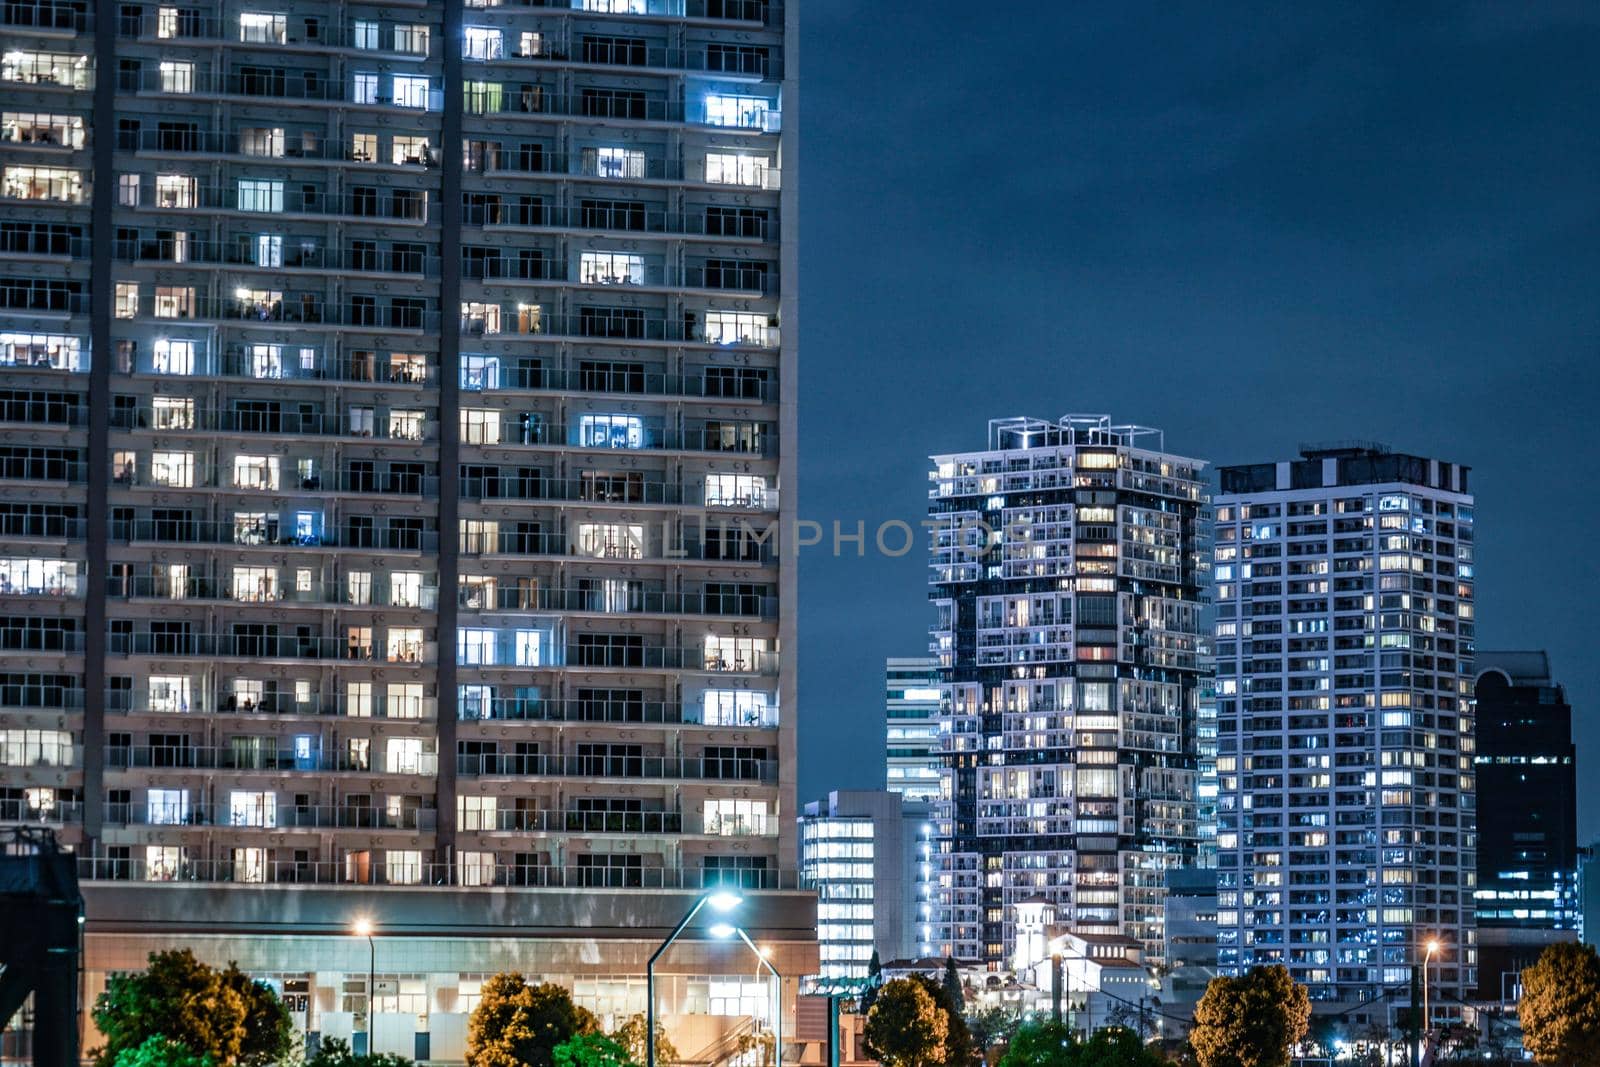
pixel 744 112
pixel 176 77
pixel 736 491
pixel 175 470
pixel 476 648
pixel 404 700
pixel 364 147
pixel 127 190
pixel 250 865
pixel 173 357
pixel 410 91
pixel 528 648
pixel 412 39
pixel 167 807
pixel 38 128
pixel 408 150
pixel 611 268
pixel 162 863
pixel 743 654
pixel 611 540
pixel 260 28
pixel 404 755
pixel 43 183
pixel 476 868
pixel 365 89
pixel 610 431
pixel 126 305
pixel 247 808
pixel 405 644
pixel 481 42
pixel 736 327
pixel 174 302
pixel 479 318
pixel 480 372
pixel 735 707
pixel 259 194
pixel 613 162
pixel 261 141
pixel 480 426
pixel 365 35
pixel 735 818
pixel 727 168
pixel 402 867
pixel 178 191
pixel 255 472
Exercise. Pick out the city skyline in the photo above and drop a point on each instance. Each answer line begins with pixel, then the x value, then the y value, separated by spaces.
pixel 1251 260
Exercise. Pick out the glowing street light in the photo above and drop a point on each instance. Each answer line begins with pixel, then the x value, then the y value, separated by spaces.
pixel 362 927
pixel 721 900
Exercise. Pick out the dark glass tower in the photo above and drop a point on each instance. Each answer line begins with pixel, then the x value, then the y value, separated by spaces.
pixel 1527 823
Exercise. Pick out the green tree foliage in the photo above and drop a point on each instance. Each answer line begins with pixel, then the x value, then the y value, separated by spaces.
pixel 1046 1043
pixel 952 986
pixel 992 1027
pixel 906 1026
pixel 519 1025
pixel 1560 1008
pixel 630 1035
pixel 335 1052
pixel 1253 1020
pixel 222 1015
pixel 268 1026
pixel 593 1050
pixel 1042 1043
pixel 158 1050
pixel 959 1047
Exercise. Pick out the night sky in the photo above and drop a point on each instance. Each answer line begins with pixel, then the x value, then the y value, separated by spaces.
pixel 1251 227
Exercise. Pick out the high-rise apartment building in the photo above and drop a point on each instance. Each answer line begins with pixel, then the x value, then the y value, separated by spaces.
pixel 868 853
pixel 911 701
pixel 1527 895
pixel 1067 574
pixel 1344 644
pixel 383 386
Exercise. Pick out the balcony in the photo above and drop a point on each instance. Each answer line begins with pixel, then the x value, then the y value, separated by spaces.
pixel 723 224
pixel 678 768
pixel 277 423
pixel 276 531
pixel 243 252
pixel 643 602
pixel 304 311
pixel 320 594
pixel 265 646
pixel 281 817
pixel 531 875
pixel 481 373
pixel 227 758
pixel 310 87
pixel 381 206
pixel 271 703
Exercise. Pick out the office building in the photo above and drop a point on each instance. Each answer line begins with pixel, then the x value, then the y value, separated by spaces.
pixel 1191 931
pixel 1344 633
pixel 1066 572
pixel 868 854
pixel 912 702
pixel 1526 765
pixel 383 387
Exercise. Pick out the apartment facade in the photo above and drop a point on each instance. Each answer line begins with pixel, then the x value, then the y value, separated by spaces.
pixel 384 386
pixel 1067 575
pixel 1344 646
pixel 1527 895
pixel 911 705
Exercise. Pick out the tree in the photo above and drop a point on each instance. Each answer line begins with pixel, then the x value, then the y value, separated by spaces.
pixel 268 1026
pixel 177 997
pixel 1560 1007
pixel 158 1050
pixel 1046 1043
pixel 992 1026
pixel 1039 1043
pixel 906 1026
pixel 519 1025
pixel 592 1050
pixel 952 985
pixel 335 1052
pixel 1250 1021
pixel 959 1047
pixel 630 1035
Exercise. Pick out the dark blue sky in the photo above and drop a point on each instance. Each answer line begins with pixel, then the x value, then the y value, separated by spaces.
pixel 1250 226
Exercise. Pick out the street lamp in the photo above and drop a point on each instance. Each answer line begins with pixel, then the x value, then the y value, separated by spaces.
pixel 362 927
pixel 720 900
pixel 1427 1018
pixel 777 1015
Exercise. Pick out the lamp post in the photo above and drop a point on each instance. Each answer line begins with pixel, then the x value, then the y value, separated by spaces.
pixel 777 1015
pixel 720 900
pixel 1427 1018
pixel 363 928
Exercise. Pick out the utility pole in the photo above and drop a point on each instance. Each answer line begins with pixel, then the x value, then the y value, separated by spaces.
pixel 1414 1019
pixel 1055 988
